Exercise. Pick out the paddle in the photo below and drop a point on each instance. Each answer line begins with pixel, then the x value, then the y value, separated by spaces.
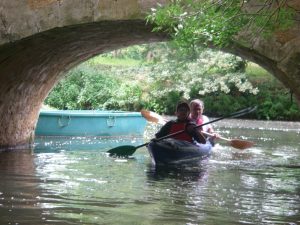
pixel 153 117
pixel 127 150
pixel 235 143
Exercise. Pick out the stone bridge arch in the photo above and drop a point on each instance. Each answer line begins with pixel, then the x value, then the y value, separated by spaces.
pixel 31 67
pixel 42 39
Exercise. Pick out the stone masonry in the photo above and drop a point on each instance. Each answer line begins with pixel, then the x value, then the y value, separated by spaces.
pixel 42 39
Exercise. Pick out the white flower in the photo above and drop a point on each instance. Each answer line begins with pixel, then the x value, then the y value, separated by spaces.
pixel 183 14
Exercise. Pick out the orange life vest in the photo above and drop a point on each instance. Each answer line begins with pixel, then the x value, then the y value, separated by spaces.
pixel 179 127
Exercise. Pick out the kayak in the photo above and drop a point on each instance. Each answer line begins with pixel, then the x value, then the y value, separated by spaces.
pixel 171 151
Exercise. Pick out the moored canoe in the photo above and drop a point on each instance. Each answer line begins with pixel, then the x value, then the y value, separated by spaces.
pixel 90 123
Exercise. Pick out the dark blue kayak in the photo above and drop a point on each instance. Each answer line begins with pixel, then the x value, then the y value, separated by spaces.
pixel 172 151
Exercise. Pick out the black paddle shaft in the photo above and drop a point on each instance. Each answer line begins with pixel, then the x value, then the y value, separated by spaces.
pixel 232 115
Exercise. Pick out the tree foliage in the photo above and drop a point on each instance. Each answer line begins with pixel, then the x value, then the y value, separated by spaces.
pixel 217 22
pixel 176 77
pixel 94 87
pixel 162 76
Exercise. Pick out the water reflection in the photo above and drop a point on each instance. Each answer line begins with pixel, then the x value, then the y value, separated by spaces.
pixel 73 181
pixel 56 143
pixel 19 189
pixel 194 172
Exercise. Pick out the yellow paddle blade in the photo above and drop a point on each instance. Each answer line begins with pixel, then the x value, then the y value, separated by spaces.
pixel 122 151
pixel 241 144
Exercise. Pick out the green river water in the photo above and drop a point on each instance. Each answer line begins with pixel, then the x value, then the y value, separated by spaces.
pixel 73 181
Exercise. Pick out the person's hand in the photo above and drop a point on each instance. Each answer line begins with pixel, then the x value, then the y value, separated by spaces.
pixel 215 136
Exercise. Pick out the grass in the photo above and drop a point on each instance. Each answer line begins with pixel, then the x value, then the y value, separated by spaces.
pixel 257 74
pixel 100 60
pixel 256 71
pixel 253 70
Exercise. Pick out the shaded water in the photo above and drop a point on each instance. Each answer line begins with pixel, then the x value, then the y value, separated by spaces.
pixel 73 181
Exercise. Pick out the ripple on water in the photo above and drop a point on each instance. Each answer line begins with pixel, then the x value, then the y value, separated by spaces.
pixel 259 185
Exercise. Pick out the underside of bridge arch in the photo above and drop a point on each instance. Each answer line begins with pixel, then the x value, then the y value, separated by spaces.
pixel 29 68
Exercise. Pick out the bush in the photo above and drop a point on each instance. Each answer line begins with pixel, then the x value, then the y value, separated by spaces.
pixel 168 76
pixel 86 88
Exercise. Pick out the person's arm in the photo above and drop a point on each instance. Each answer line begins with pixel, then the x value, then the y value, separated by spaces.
pixel 207 128
pixel 164 130
pixel 195 133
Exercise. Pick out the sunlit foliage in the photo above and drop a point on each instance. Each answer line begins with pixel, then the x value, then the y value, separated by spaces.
pixel 156 76
pixel 217 22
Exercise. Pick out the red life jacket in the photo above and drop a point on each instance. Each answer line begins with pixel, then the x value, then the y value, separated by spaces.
pixel 179 127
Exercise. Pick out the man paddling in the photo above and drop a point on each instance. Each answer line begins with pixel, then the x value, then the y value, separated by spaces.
pixel 183 122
